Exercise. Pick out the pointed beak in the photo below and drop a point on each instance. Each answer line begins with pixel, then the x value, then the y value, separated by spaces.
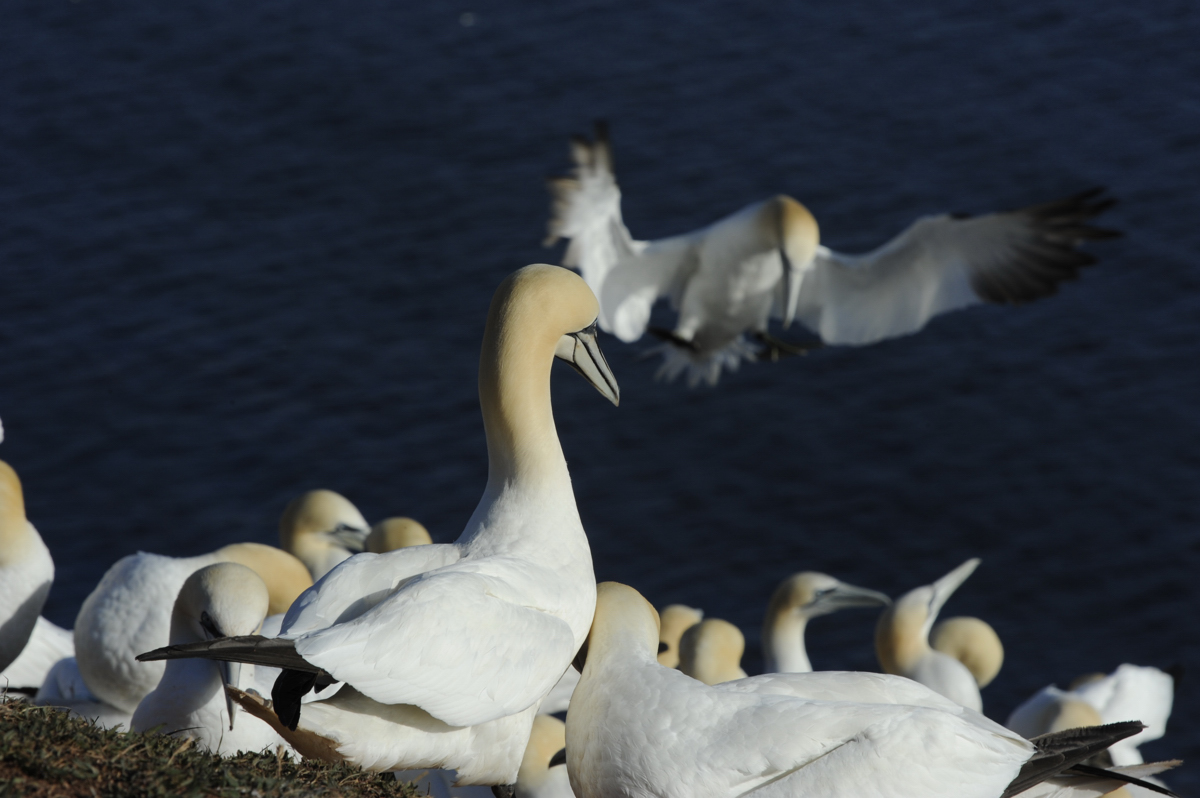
pixel 582 351
pixel 230 671
pixel 844 597
pixel 350 538
pixel 791 289
pixel 945 587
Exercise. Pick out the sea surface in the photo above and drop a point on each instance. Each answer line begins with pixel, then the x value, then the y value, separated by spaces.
pixel 247 249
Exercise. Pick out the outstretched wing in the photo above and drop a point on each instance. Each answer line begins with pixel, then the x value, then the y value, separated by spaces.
pixel 627 276
pixel 943 263
pixel 454 642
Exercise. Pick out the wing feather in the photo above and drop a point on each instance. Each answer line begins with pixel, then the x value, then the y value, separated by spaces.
pixel 942 263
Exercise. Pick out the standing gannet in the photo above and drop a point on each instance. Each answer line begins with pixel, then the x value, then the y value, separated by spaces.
pixel 676 619
pixel 397 533
pixel 129 612
pixel 798 599
pixel 1131 691
pixel 445 651
pixel 636 729
pixel 902 640
pixel 974 643
pixel 711 651
pixel 543 772
pixel 727 280
pixel 221 600
pixel 26 570
pixel 322 528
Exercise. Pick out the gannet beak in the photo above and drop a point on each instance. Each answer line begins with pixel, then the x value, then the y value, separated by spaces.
pixel 945 587
pixel 349 537
pixel 791 289
pixel 230 671
pixel 582 351
pixel 845 596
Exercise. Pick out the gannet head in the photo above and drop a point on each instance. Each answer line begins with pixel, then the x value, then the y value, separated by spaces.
pixel 547 738
pixel 397 533
pixel 974 643
pixel 711 651
pixel 14 527
pixel 812 594
pixel 322 528
pixel 624 623
pixel 675 619
pixel 222 600
pixel 902 634
pixel 284 575
pixel 797 236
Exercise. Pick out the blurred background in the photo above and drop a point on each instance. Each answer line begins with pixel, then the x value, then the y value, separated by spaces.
pixel 247 250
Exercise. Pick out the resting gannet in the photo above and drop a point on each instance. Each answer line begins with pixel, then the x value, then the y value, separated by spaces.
pixel 190 701
pixel 711 651
pixel 902 640
pixel 1130 692
pixel 26 570
pixel 322 528
pixel 129 612
pixel 798 599
pixel 676 619
pixel 727 280
pixel 974 643
pixel 445 651
pixel 638 729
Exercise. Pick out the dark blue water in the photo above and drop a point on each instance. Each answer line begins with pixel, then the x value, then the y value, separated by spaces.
pixel 247 251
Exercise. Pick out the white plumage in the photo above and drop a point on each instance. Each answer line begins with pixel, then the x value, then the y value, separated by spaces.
pixel 47 645
pixel 26 570
pixel 727 280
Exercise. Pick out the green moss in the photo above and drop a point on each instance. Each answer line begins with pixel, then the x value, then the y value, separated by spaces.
pixel 45 752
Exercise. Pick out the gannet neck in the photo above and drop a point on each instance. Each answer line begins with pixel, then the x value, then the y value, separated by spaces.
pixel 900 635
pixel 397 533
pixel 675 620
pixel 17 536
pixel 783 642
pixel 974 643
pixel 625 626
pixel 285 576
pixel 531 310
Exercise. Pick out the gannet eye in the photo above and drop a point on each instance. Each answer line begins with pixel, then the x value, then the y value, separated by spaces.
pixel 210 627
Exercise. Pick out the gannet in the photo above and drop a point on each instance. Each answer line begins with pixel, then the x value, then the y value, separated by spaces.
pixel 64 688
pixel 974 643
pixel 129 612
pixel 902 640
pixel 26 570
pixel 543 772
pixel 798 599
pixel 711 651
pixel 638 729
pixel 676 619
pixel 397 533
pixel 221 600
pixel 322 528
pixel 1130 692
pixel 48 644
pixel 727 280
pixel 446 650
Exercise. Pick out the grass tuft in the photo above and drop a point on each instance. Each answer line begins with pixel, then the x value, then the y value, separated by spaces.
pixel 46 753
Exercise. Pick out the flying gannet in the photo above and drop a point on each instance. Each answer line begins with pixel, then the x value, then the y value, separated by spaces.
pixel 727 280
pixel 636 729
pixel 798 599
pixel 190 701
pixel 445 651
pixel 902 640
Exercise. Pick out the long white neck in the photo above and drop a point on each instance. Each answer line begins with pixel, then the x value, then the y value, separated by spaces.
pixel 783 643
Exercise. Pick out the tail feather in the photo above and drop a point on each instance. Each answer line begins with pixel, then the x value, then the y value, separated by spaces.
pixel 1059 751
